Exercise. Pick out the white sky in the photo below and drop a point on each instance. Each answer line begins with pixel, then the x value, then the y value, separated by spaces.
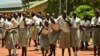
pixel 9 1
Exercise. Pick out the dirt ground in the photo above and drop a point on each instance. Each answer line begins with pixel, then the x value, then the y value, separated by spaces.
pixel 30 52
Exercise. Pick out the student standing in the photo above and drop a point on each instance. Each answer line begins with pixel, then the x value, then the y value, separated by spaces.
pixel 64 37
pixel 23 39
pixel 9 41
pixel 95 22
pixel 75 26
pixel 85 24
pixel 44 38
pixel 54 35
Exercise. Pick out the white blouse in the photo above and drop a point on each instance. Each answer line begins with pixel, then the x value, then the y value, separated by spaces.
pixel 1 22
pixel 85 23
pixel 63 25
pixel 75 22
pixel 95 21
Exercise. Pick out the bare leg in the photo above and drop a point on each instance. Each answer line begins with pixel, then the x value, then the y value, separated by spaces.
pixel 46 52
pixel 35 43
pixel 69 51
pixel 9 50
pixel 94 50
pixel 29 42
pixel 51 50
pixel 98 50
pixel 42 49
pixel 22 51
pixel 63 52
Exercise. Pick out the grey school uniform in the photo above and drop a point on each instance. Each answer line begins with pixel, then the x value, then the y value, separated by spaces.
pixel 85 34
pixel 34 33
pixel 44 38
pixel 9 41
pixel 75 35
pixel 37 27
pixel 55 33
pixel 15 36
pixel 64 37
pixel 29 23
pixel 23 37
pixel 15 31
pixel 96 31
pixel 2 30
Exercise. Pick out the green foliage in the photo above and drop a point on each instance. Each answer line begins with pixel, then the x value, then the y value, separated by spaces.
pixel 85 10
pixel 53 6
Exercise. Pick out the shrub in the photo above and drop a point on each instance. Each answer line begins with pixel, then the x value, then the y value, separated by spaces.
pixel 85 10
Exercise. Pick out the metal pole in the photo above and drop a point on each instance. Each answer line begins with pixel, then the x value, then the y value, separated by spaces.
pixel 59 6
pixel 66 5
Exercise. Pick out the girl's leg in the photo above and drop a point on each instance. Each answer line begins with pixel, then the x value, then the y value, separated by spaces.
pixel 22 51
pixel 98 50
pixel 35 43
pixel 46 53
pixel 29 42
pixel 86 43
pixel 42 49
pixel 82 45
pixel 9 50
pixel 25 51
pixel 51 50
pixel 69 51
pixel 94 50
pixel 75 49
pixel 54 50
pixel 63 52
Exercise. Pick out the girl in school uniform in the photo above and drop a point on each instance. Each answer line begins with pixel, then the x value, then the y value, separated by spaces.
pixel 64 37
pixel 85 24
pixel 75 39
pixel 95 23
pixel 2 30
pixel 14 20
pixel 23 38
pixel 9 41
pixel 37 25
pixel 29 23
pixel 44 38
pixel 54 35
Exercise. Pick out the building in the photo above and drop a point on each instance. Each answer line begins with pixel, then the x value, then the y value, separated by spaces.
pixel 35 6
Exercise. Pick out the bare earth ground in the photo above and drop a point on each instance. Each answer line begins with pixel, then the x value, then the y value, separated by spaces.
pixel 4 52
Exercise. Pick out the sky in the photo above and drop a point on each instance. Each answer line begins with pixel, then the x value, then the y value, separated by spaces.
pixel 9 1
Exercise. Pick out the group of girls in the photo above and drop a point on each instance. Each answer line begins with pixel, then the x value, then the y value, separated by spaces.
pixel 18 29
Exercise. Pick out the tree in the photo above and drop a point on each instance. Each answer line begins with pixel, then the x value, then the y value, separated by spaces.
pixel 53 6
pixel 85 10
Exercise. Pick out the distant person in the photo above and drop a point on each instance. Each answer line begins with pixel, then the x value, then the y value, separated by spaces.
pixel 75 26
pixel 85 25
pixel 95 22
pixel 64 37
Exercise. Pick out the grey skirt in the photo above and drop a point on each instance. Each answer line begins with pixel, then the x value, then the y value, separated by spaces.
pixel 85 35
pixel 64 40
pixel 75 39
pixel 2 33
pixel 54 36
pixel 15 36
pixel 96 36
pixel 23 38
pixel 9 41
pixel 29 32
pixel 34 34
pixel 44 41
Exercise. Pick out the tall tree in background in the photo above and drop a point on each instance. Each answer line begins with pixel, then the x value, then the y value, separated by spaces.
pixel 53 5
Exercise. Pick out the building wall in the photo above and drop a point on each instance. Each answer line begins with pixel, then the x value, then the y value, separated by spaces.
pixel 39 8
